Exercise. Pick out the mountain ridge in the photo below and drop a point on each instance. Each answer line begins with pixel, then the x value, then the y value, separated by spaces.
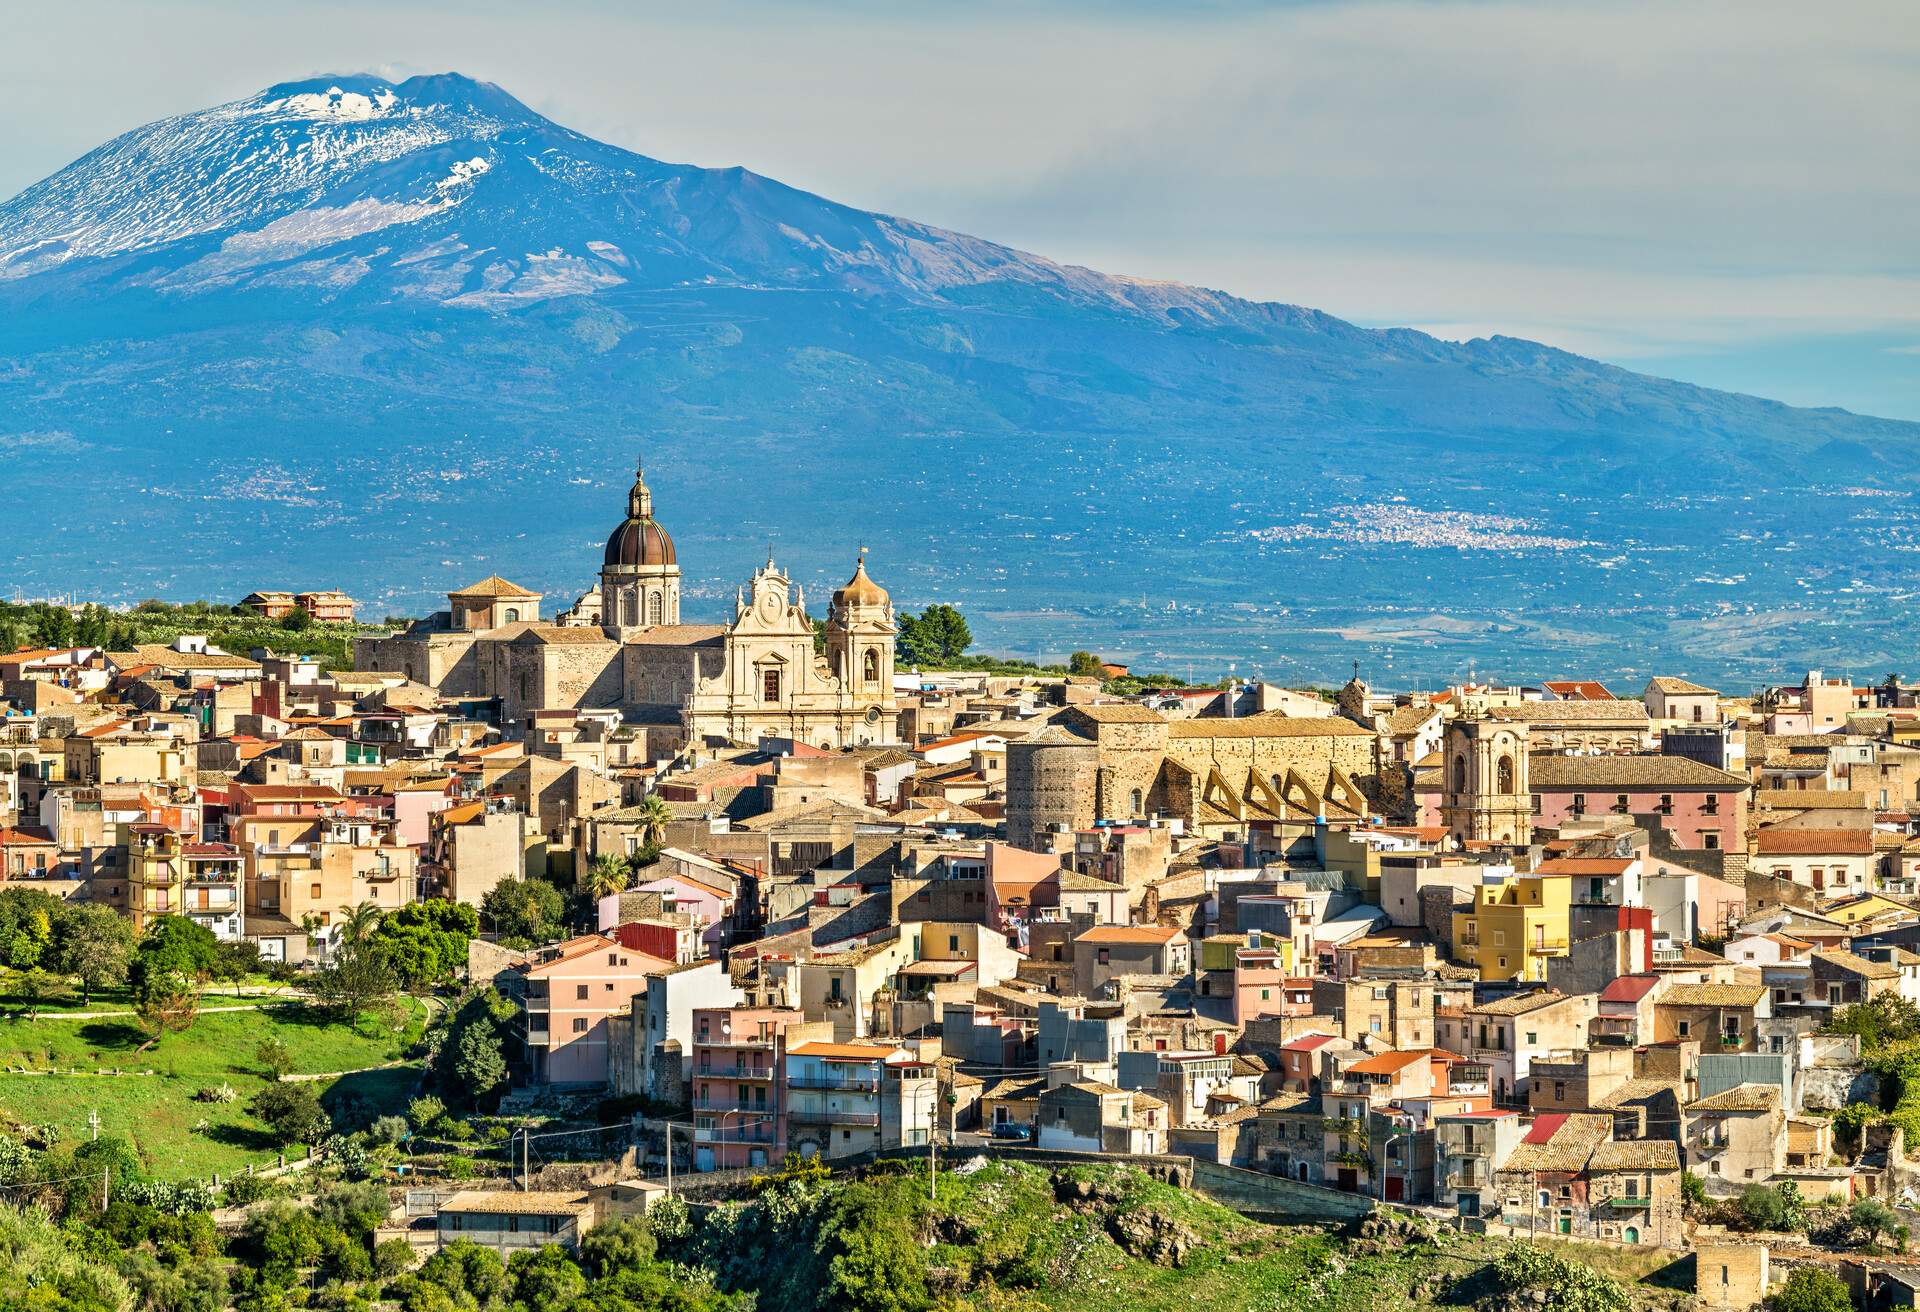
pixel 344 277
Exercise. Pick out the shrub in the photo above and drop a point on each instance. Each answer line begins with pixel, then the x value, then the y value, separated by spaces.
pixel 459 1168
pixel 1780 1208
pixel 392 1256
pixel 1809 1289
pixel 1553 1283
pixel 388 1129
pixel 243 1190
pixel 423 1112
pixel 292 1112
pixel 222 1092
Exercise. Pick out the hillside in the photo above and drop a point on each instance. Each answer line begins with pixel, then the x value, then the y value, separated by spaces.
pixel 393 336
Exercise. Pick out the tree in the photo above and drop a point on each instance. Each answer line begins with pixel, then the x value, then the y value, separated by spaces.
pixel 292 1112
pixel 1086 664
pixel 174 945
pixel 1693 1190
pixel 1882 1019
pixel 939 634
pixel 296 621
pixel 360 923
pixel 95 945
pixel 875 1261
pixel 525 912
pixel 276 1056
pixel 40 987
pixel 655 816
pixel 469 1048
pixel 616 1245
pixel 545 1278
pixel 1780 1208
pixel 426 942
pixel 607 876
pixel 1872 1219
pixel 1809 1289
pixel 234 961
pixel 356 975
pixel 479 1060
pixel 166 1002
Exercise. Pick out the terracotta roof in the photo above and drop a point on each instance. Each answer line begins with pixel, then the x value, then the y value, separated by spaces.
pixel 1571 710
pixel 1387 1063
pixel 1635 1155
pixel 842 1051
pixel 1129 934
pixel 1775 841
pixel 1269 725
pixel 1810 799
pixel 494 586
pixel 1740 1098
pixel 1578 689
pixel 1119 713
pixel 1679 687
pixel 1518 1004
pixel 1601 772
pixel 1713 995
pixel 1858 965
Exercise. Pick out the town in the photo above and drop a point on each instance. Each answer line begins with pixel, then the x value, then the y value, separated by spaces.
pixel 664 906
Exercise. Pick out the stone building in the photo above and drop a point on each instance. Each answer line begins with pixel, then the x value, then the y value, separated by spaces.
pixel 622 647
pixel 1486 798
pixel 1126 762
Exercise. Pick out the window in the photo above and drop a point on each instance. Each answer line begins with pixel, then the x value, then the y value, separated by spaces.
pixel 580 991
pixel 654 609
pixel 1503 775
pixel 579 1024
pixel 1710 841
pixel 613 958
pixel 1619 803
pixel 1139 803
pixel 870 668
pixel 314 892
pixel 953 942
pixel 1666 804
pixel 1686 1028
pixel 770 685
pixel 1533 1036
pixel 1710 804
pixel 1579 806
pixel 1559 1090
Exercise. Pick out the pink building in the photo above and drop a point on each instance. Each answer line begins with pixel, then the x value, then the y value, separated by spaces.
pixel 570 996
pixel 414 806
pixel 1261 987
pixel 1702 807
pixel 736 1085
pixel 710 906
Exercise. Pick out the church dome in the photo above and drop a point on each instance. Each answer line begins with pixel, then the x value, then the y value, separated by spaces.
pixel 861 590
pixel 639 540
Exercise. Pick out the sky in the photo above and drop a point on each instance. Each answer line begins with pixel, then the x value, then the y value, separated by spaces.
pixel 1726 192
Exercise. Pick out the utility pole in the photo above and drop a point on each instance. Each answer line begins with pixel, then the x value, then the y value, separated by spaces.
pixel 106 1175
pixel 526 1171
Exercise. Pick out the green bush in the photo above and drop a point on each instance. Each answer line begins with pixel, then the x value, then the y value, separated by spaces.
pixel 1554 1283
pixel 1809 1289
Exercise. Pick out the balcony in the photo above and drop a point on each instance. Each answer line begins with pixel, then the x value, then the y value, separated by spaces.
pixel 758 1074
pixel 539 1036
pixel 857 1084
pixel 540 1004
pixel 829 1116
pixel 1628 1204
pixel 730 1105
pixel 743 1045
pixel 748 1134
pixel 1468 1179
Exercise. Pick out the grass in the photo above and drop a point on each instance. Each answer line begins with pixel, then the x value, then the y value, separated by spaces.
pixel 14 1004
pixel 177 1136
pixel 1011 1220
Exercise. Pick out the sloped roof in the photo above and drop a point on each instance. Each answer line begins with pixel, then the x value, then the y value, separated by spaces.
pixel 494 586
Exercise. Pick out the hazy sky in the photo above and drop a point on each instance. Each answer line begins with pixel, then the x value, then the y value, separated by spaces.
pixel 1724 192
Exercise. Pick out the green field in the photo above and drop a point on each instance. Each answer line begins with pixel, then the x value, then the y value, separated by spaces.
pixel 177 1135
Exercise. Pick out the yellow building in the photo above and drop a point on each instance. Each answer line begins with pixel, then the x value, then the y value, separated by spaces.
pixel 171 875
pixel 1515 924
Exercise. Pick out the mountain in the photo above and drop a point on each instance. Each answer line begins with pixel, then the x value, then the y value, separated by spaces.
pixel 390 335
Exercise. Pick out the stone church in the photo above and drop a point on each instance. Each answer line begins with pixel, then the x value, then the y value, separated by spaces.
pixel 622 647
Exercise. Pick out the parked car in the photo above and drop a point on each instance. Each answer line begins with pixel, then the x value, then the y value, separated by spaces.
pixel 1015 1130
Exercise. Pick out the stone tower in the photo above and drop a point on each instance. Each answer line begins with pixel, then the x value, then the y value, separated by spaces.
pixel 1485 795
pixel 860 634
pixel 640 575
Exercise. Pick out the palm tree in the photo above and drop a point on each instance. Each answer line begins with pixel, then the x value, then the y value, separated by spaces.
pixel 606 876
pixel 655 816
pixel 358 924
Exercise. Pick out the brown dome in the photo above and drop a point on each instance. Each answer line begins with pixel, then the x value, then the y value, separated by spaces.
pixel 639 541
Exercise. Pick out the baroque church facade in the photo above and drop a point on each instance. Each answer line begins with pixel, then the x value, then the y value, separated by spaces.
pixel 622 647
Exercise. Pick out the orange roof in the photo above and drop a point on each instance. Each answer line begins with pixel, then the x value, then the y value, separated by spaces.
pixel 1775 841
pixel 26 835
pixel 1128 934
pixel 1387 1063
pixel 1583 865
pixel 842 1051
pixel 459 815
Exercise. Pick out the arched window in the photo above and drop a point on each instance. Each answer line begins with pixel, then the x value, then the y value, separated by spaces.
pixel 654 607
pixel 873 665
pixel 510 616
pixel 629 608
pixel 1139 803
pixel 1503 772
pixel 1459 774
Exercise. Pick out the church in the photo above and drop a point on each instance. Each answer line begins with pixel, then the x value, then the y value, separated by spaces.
pixel 622 647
